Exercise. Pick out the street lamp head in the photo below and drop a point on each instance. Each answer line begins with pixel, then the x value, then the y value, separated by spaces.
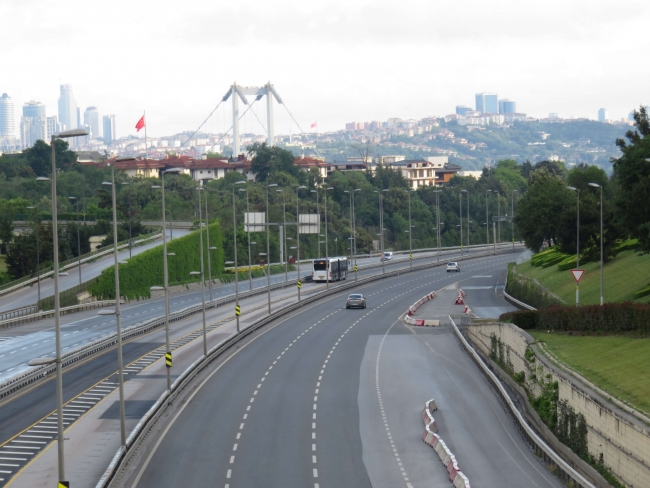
pixel 173 171
pixel 464 191
pixel 30 208
pixel 194 273
pixel 262 254
pixel 107 183
pixel 573 188
pixel 313 191
pixel 124 159
pixel 386 189
pixel 301 187
pixel 42 178
pixel 595 185
pixel 156 187
pixel 229 262
pixel 241 182
pixel 346 191
pixel 272 185
pixel 72 198
pixel 243 189
pixel 329 188
pixel 357 189
pixel 71 133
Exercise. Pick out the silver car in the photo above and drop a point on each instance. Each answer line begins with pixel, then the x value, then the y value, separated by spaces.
pixel 453 266
pixel 355 300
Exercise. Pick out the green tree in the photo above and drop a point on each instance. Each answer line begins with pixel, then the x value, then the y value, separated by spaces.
pixel 271 159
pixel 537 218
pixel 632 173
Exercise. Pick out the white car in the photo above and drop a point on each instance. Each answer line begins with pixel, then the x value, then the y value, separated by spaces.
pixel 453 266
pixel 387 256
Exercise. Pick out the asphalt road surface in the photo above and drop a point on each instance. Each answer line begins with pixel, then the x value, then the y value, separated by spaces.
pixel 329 397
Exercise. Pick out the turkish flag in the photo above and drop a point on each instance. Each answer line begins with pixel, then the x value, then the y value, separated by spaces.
pixel 140 124
pixel 314 125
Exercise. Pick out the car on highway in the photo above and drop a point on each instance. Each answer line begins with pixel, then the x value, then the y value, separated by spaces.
pixel 355 300
pixel 453 266
pixel 387 256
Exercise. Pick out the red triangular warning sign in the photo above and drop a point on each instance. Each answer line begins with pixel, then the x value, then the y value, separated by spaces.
pixel 577 274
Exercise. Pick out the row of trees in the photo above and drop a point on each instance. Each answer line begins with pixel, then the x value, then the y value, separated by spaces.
pixel 547 213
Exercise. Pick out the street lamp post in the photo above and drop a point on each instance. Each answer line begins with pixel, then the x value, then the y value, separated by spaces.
pixel 460 214
pixel 78 238
pixel 354 233
pixel 130 217
pixel 596 185
pixel 248 232
pixel 165 267
pixel 512 219
pixel 437 192
pixel 283 241
pixel 37 218
pixel 487 221
pixel 318 212
pixel 302 187
pixel 573 188
pixel 202 274
pixel 268 248
pixel 327 256
pixel 410 231
pixel 236 263
pixel 467 218
pixel 57 302
pixel 351 230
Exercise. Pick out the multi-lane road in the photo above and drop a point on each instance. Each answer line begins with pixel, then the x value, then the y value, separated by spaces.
pixel 333 397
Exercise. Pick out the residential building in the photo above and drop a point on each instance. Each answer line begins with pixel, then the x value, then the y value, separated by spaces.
pixel 509 118
pixel 417 172
pixel 507 106
pixel 603 116
pixel 307 163
pixel 68 116
pixel 91 119
pixel 110 131
pixel 7 120
pixel 473 174
pixel 463 109
pixel 487 103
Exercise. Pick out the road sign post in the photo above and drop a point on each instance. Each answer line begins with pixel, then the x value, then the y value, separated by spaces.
pixel 577 275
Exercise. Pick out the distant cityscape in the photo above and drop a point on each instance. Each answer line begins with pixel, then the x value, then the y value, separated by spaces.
pixel 103 137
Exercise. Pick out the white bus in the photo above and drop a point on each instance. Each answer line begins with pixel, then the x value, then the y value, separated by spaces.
pixel 336 268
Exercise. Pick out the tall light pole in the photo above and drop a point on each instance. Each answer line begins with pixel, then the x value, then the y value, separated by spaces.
pixel 76 200
pixel 499 220
pixel 351 231
pixel 165 269
pixel 354 232
pixel 327 256
pixel 57 302
pixel 302 187
pixel 465 191
pixel 202 274
pixel 573 188
pixel 410 231
pixel 268 249
pixel 37 217
pixel 236 262
pixel 318 212
pixel 460 214
pixel 596 185
pixel 130 217
pixel 248 232
pixel 207 236
pixel 512 219
pixel 437 192
pixel 117 311
pixel 283 241
pixel 381 227
pixel 487 221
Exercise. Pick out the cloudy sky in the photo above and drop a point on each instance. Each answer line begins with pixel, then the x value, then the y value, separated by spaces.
pixel 332 61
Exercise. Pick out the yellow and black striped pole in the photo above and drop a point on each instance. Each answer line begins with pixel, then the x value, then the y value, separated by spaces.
pixel 237 310
pixel 299 284
pixel 168 359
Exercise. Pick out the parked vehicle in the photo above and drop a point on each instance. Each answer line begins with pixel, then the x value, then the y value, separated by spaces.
pixel 355 300
pixel 453 266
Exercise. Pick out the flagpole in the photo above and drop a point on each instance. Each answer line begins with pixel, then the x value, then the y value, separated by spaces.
pixel 146 149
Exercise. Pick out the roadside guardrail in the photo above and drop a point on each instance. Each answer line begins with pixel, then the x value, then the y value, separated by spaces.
pixel 24 319
pixel 18 312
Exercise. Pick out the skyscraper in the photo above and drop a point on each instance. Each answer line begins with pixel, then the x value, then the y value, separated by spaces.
pixel 487 103
pixel 463 109
pixel 68 116
pixel 507 106
pixel 33 123
pixel 602 115
pixel 110 132
pixel 91 119
pixel 7 121
pixel 53 127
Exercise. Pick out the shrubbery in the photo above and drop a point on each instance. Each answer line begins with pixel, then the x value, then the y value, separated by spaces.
pixel 527 291
pixel 606 319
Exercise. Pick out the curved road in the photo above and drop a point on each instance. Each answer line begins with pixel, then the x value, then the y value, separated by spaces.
pixel 333 397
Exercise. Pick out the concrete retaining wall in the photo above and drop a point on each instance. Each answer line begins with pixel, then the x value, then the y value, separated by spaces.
pixel 625 446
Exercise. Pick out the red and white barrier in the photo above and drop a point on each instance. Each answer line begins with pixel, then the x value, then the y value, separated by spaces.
pixel 420 322
pixel 432 439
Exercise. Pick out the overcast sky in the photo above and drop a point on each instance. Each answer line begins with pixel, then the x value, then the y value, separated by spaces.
pixel 332 61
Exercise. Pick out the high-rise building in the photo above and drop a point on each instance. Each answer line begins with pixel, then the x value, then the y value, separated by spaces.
pixel 507 106
pixel 91 119
pixel 7 121
pixel 110 132
pixel 463 109
pixel 68 116
pixel 602 115
pixel 53 127
pixel 33 123
pixel 487 103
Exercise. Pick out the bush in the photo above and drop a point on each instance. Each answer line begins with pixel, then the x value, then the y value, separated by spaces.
pixel 5 277
pixel 628 245
pixel 567 264
pixel 554 259
pixel 146 270
pixel 527 291
pixel 606 319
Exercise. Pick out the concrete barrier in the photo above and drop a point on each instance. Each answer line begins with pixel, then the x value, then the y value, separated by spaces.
pixel 408 318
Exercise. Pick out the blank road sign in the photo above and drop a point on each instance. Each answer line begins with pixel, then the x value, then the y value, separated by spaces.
pixel 577 274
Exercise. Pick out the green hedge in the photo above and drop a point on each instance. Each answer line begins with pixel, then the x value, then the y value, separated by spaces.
pixel 628 245
pixel 608 318
pixel 538 259
pixel 567 264
pixel 146 269
pixel 526 290
pixel 553 259
pixel 67 298
pixel 642 292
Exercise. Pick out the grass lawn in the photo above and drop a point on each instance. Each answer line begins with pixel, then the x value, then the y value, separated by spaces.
pixel 617 364
pixel 624 275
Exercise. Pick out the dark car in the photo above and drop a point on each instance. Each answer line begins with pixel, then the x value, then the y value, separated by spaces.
pixel 355 300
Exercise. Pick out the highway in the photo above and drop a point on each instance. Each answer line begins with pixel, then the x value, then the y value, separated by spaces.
pixel 29 295
pixel 333 397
